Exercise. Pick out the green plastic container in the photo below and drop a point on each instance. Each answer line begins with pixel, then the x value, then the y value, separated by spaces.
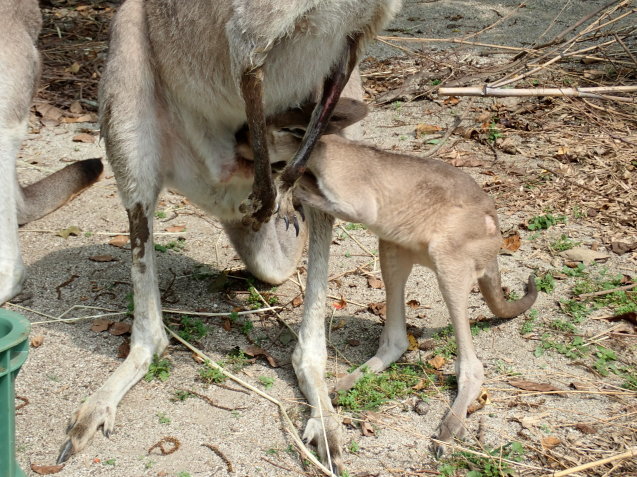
pixel 14 347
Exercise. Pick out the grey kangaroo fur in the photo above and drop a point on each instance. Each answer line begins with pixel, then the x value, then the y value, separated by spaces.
pixel 20 23
pixel 425 212
pixel 181 78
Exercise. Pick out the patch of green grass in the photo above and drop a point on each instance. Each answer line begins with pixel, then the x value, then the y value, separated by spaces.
pixel 352 226
pixel 160 214
pixel 163 418
pixel 353 447
pixel 266 381
pixel 175 245
pixel 396 105
pixel 182 395
pixel 542 222
pixel 545 283
pixel 234 362
pixel 374 390
pixel 191 329
pixel 493 132
pixel 209 375
pixel 563 243
pixel 184 474
pixel 159 369
pixel 530 322
pixel 483 466
pixel 109 462
pixel 573 349
pixel 578 271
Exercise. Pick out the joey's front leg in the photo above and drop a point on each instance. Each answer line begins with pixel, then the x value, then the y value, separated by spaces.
pixel 260 205
pixel 332 89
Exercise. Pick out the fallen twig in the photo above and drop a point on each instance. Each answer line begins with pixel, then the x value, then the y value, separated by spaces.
pixel 598 92
pixel 624 455
pixel 166 440
pixel 221 455
pixel 606 292
pixel 450 130
pixel 289 426
pixel 205 398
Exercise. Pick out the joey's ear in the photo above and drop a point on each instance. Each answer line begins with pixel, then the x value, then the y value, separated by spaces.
pixel 347 112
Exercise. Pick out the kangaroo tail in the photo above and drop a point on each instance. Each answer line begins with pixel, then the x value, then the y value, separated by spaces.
pixel 491 289
pixel 55 190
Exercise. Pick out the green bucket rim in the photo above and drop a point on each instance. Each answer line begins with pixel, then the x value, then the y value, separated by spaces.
pixel 19 329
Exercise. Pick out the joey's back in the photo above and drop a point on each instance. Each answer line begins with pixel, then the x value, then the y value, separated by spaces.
pixel 400 197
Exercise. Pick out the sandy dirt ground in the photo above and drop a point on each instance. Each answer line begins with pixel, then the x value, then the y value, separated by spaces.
pixel 83 276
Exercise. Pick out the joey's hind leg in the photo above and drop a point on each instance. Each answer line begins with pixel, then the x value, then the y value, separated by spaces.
pixel 456 280
pixel 396 264
pixel 310 355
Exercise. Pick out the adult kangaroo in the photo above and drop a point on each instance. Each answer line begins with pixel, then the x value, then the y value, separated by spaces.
pixel 20 23
pixel 182 77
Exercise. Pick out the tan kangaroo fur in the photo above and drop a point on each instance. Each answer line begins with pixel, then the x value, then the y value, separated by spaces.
pixel 181 78
pixel 20 23
pixel 424 212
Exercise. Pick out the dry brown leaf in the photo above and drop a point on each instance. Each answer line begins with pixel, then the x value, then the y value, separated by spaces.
pixel 423 129
pixel 353 342
pixel 84 137
pixel 379 308
pixel 413 304
pixel 451 100
pixel 582 386
pixel 550 441
pixel 37 340
pixel 585 428
pixel 227 325
pixel 338 325
pixel 374 282
pixel 101 324
pixel 76 107
pixel 83 118
pixel 531 386
pixel 255 351
pixel 437 362
pixel 413 342
pixel 340 305
pixel 176 228
pixel 471 161
pixel 49 112
pixel 103 258
pixel 366 429
pixel 512 242
pixel 123 350
pixel 74 68
pixel 298 301
pixel 119 241
pixel 119 328
pixel 422 384
pixel 197 359
pixel 46 469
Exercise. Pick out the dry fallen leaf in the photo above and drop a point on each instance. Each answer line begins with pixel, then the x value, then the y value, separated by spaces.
pixel 84 137
pixel 585 428
pixel 413 304
pixel 422 129
pixel 101 324
pixel 76 107
pixel 46 469
pixel 119 241
pixel 413 342
pixel 255 351
pixel 298 301
pixel 550 441
pixel 584 255
pixel 374 282
pixel 512 242
pixel 379 308
pixel 338 325
pixel 49 112
pixel 83 118
pixel 227 325
pixel 103 258
pixel 176 228
pixel 123 350
pixel 466 162
pixel 353 342
pixel 437 362
pixel 72 230
pixel 366 429
pixel 119 328
pixel 37 340
pixel 340 305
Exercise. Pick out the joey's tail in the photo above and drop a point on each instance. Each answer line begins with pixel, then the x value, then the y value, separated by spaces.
pixel 491 289
pixel 55 190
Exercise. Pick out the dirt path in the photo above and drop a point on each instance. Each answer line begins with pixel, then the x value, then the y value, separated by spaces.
pixel 560 343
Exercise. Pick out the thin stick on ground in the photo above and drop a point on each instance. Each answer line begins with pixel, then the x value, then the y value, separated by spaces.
pixel 289 425
pixel 632 452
